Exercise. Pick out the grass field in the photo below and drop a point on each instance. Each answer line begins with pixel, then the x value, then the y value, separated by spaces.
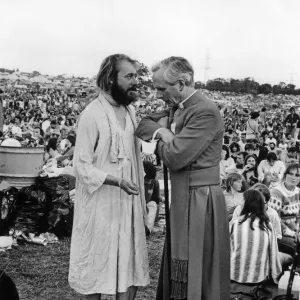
pixel 41 272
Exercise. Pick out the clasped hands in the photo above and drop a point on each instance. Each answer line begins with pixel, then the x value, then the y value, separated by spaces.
pixel 164 133
pixel 274 176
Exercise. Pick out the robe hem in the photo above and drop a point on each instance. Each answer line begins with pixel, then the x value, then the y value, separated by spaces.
pixel 110 292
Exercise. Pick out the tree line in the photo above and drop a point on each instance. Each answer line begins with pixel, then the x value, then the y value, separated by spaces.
pixel 248 86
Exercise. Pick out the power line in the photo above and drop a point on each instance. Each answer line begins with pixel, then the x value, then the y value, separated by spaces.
pixel 292 77
pixel 207 65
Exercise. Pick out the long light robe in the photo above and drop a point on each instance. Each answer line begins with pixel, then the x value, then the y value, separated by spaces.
pixel 108 247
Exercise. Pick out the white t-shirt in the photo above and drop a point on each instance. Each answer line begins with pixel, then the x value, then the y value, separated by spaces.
pixel 46 125
pixel 5 128
pixel 283 146
pixel 264 167
pixel 16 130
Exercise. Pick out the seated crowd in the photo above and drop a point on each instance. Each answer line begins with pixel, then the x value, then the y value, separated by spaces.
pixel 260 176
pixel 259 172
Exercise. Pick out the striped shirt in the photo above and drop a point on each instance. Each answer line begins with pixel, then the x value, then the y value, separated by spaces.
pixel 254 253
pixel 272 214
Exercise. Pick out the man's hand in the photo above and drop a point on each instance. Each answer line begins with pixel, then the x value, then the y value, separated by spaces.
pixel 246 168
pixel 129 188
pixel 274 176
pixel 163 122
pixel 165 135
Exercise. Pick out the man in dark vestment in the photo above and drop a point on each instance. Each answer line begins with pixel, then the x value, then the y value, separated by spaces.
pixel 190 136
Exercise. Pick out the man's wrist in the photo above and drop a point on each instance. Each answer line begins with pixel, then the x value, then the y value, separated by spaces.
pixel 156 135
pixel 161 132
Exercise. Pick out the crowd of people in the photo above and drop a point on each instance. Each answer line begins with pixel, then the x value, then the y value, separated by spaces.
pixel 259 169
pixel 33 116
pixel 261 153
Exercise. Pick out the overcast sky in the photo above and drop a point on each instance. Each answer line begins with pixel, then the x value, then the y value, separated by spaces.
pixel 253 38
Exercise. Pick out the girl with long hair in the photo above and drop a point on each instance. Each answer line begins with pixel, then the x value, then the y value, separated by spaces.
pixel 226 162
pixel 250 170
pixel 234 150
pixel 254 250
pixel 233 194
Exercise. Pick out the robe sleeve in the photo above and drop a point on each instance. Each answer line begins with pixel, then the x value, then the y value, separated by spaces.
pixel 149 125
pixel 87 137
pixel 191 142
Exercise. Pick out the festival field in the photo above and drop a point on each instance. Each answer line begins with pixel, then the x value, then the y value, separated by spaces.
pixel 41 272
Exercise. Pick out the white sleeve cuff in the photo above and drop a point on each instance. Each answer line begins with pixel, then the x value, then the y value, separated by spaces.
pixel 155 133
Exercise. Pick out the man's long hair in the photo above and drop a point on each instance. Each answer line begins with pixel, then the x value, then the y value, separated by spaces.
pixel 108 72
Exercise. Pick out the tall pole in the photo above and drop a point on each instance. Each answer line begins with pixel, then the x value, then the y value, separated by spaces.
pixel 292 74
pixel 207 65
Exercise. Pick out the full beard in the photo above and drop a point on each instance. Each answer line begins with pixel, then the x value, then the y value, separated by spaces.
pixel 123 97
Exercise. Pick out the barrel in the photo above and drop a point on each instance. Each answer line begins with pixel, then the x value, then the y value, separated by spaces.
pixel 20 166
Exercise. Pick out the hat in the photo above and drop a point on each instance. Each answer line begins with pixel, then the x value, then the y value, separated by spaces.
pixel 254 115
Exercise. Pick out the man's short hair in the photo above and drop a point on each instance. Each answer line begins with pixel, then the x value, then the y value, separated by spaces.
pixel 176 68
pixel 271 156
pixel 263 189
pixel 249 147
pixel 150 170
pixel 243 153
pixel 292 109
pixel 109 70
pixel 71 139
pixel 291 150
pixel 52 144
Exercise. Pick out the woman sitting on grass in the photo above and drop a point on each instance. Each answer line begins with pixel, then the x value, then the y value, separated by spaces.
pixel 233 195
pixel 250 170
pixel 226 163
pixel 285 199
pixel 254 250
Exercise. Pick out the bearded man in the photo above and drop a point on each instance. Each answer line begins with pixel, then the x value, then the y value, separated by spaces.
pixel 190 144
pixel 108 247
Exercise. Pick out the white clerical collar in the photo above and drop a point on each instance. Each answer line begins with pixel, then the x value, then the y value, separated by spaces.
pixel 180 105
